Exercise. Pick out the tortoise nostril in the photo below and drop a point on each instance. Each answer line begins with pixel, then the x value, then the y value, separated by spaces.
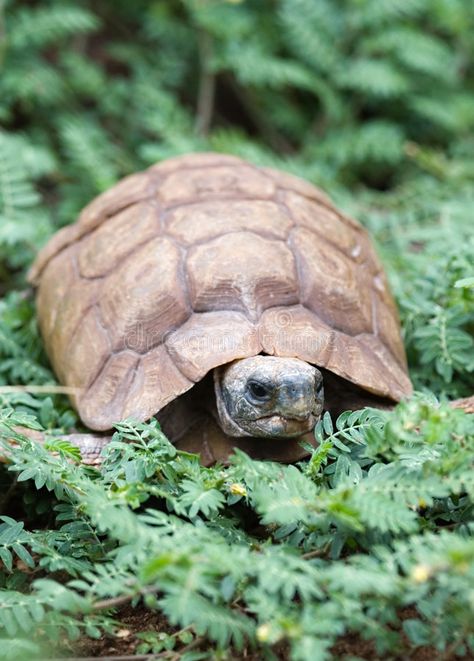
pixel 294 389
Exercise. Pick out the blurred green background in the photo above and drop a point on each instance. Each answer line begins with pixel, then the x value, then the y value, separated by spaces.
pixel 372 100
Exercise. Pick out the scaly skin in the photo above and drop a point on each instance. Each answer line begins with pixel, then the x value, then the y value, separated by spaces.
pixel 466 403
pixel 90 445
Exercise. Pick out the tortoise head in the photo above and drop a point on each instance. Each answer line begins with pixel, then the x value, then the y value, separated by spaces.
pixel 267 396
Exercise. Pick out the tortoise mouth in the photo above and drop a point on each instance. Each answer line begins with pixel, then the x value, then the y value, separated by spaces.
pixel 276 425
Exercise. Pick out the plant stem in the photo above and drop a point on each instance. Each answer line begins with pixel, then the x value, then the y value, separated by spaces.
pixel 207 85
pixel 123 599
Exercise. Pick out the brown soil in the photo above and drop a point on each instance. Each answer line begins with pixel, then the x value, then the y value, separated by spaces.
pixel 124 645
pixel 135 620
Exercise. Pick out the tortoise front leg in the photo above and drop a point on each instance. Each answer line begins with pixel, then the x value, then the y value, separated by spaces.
pixel 466 404
pixel 90 445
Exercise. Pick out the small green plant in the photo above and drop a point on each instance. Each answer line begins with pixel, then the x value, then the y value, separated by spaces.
pixel 397 483
pixel 154 643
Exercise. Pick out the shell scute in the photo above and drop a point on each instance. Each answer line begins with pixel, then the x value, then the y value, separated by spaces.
pixel 363 359
pixel 88 350
pixel 103 250
pixel 210 339
pixel 388 327
pixel 332 285
pixel 57 278
pixel 327 224
pixel 196 223
pixel 144 299
pixel 246 273
pixel 80 297
pixel 226 181
pixel 155 383
pixel 104 401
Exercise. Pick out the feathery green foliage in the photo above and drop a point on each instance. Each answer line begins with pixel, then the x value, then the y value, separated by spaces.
pixel 155 525
pixel 372 100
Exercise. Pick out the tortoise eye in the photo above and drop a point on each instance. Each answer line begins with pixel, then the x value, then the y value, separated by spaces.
pixel 258 391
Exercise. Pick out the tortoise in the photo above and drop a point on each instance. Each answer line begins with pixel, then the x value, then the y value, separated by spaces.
pixel 233 302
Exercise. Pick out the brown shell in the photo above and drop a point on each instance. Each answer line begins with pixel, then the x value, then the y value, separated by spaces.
pixel 201 260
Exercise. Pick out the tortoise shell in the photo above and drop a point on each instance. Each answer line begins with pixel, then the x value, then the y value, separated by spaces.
pixel 198 261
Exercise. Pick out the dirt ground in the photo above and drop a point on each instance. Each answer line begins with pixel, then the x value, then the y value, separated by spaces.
pixel 135 620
